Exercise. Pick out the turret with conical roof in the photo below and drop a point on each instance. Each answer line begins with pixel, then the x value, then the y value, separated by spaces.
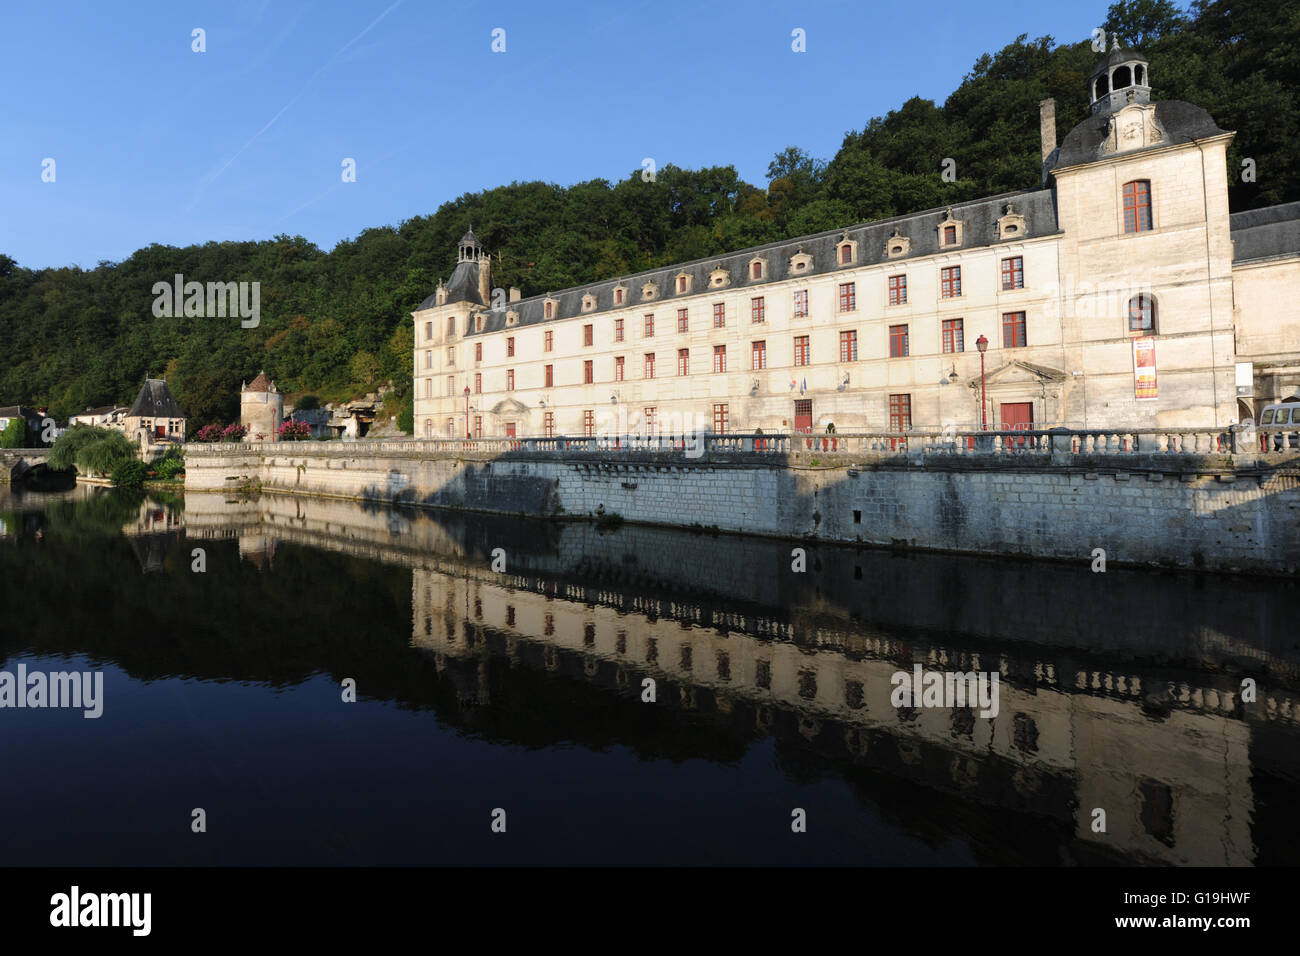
pixel 261 408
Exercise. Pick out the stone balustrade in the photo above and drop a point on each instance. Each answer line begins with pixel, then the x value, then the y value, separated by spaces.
pixel 1056 445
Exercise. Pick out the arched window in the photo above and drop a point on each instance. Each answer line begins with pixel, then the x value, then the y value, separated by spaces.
pixel 1137 205
pixel 1120 79
pixel 1142 314
pixel 1103 87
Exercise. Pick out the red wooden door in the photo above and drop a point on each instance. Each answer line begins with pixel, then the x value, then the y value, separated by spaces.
pixel 1017 416
pixel 803 415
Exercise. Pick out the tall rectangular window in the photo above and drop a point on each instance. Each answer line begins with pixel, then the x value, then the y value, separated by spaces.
pixel 451 385
pixel 900 413
pixel 618 330
pixel 1013 273
pixel 451 325
pixel 550 376
pixel 649 326
pixel 800 303
pixel 550 310
pixel 898 344
pixel 1137 205
pixel 451 428
pixel 846 254
pixel 949 235
pixel 478 383
pixel 758 354
pixel 428 331
pixel 510 346
pixel 587 335
pixel 683 361
pixel 950 282
pixel 589 423
pixel 720 418
pixel 719 315
pixel 719 358
pixel 428 388
pixel 510 380
pixel 478 426
pixel 757 309
pixel 588 372
pixel 548 341
pixel 954 336
pixel 618 296
pixel 848 296
pixel 802 353
pixel 849 346
pixel 649 365
pixel 478 351
pixel 682 320
pixel 548 424
pixel 428 358
pixel 897 290
pixel 1013 330
pixel 618 368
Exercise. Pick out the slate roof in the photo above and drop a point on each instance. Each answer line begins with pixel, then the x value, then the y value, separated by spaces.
pixel 155 401
pixel 19 411
pixel 101 410
pixel 1114 58
pixel 1265 233
pixel 979 219
pixel 1179 122
pixel 462 287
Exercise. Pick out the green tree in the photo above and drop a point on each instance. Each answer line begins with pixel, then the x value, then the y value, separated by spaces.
pixel 14 434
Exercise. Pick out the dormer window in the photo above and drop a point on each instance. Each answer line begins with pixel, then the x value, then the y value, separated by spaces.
pixel 683 283
pixel 649 291
pixel 1011 225
pixel 897 245
pixel 512 318
pixel 800 263
pixel 588 302
pixel 846 253
pixel 548 308
pixel 478 323
pixel 950 231
pixel 757 269
pixel 620 294
pixel 718 278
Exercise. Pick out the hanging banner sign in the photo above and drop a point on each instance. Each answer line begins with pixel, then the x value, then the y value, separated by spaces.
pixel 1144 369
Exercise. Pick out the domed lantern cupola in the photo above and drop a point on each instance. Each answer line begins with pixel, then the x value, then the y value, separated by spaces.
pixel 1121 78
pixel 471 250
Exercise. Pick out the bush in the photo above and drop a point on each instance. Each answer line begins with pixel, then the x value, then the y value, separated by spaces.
pixel 129 474
pixel 234 432
pixel 293 430
pixel 306 403
pixel 406 417
pixel 15 434
pixel 208 433
pixel 170 465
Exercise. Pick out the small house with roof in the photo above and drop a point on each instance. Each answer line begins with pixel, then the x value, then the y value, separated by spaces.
pixel 154 417
pixel 261 408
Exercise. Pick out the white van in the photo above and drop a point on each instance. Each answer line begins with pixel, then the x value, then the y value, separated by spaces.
pixel 1283 413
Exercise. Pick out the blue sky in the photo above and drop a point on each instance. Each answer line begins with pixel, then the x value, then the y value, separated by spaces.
pixel 153 142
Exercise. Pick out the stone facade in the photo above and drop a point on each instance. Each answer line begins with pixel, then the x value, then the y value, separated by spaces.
pixel 1217 514
pixel 1127 253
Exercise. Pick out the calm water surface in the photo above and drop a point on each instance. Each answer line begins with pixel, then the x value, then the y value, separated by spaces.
pixel 522 691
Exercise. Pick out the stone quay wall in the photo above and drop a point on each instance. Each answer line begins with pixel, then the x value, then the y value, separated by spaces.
pixel 1227 511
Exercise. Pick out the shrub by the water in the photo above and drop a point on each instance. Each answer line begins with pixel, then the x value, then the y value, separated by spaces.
pixel 129 474
pixel 91 450
pixel 15 433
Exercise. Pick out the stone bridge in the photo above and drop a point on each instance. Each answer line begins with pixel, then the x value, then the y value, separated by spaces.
pixel 15 462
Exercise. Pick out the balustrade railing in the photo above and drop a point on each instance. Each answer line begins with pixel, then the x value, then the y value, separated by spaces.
pixel 1267 442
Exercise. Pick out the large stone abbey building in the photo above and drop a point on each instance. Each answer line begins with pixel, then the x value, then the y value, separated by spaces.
pixel 1122 293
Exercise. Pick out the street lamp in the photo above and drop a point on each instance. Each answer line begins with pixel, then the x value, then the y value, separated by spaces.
pixel 982 344
pixel 467 411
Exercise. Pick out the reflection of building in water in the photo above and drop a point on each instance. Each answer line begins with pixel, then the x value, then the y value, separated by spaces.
pixel 258 549
pixel 153 533
pixel 1175 785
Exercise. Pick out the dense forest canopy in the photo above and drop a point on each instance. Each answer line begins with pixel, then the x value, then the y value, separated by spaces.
pixel 338 323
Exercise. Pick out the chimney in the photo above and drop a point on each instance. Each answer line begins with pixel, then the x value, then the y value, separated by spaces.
pixel 485 279
pixel 1047 126
pixel 515 294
